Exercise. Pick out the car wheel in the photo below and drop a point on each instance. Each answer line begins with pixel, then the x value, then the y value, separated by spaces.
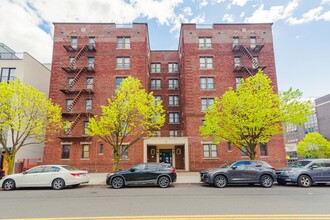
pixel 266 181
pixel 117 182
pixel 163 181
pixel 220 181
pixel 9 185
pixel 304 181
pixel 281 182
pixel 58 184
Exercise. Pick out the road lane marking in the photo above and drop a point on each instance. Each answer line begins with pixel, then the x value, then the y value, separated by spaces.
pixel 195 217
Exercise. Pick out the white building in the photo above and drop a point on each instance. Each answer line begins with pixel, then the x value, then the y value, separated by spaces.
pixel 30 71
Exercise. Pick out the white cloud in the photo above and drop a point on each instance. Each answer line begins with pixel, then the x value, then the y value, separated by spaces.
pixel 325 2
pixel 203 3
pixel 275 13
pixel 311 15
pixel 242 14
pixel 325 16
pixel 188 11
pixel 22 31
pixel 239 2
pixel 228 18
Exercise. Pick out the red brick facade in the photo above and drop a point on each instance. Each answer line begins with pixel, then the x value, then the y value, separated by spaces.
pixel 180 90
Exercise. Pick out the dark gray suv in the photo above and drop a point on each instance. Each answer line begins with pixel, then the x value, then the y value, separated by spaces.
pixel 305 172
pixel 240 172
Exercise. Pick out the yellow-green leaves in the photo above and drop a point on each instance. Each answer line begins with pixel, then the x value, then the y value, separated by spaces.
pixel 26 114
pixel 251 114
pixel 130 115
pixel 314 146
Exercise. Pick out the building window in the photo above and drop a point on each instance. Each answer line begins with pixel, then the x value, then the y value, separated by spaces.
pixel 123 148
pixel 85 131
pixel 85 151
pixel 253 42
pixel 101 149
pixel 69 103
pixel 206 102
pixel 175 134
pixel 89 82
pixel 119 80
pixel 156 133
pixel 123 63
pixel 291 127
pixel 7 74
pixel 91 41
pixel 255 64
pixel 263 149
pixel 70 81
pixel 155 67
pixel 205 42
pixel 206 63
pixel 207 83
pixel 72 62
pixel 210 151
pixel 235 41
pixel 74 43
pixel 88 105
pixel 90 62
pixel 173 100
pixel 158 98
pixel 174 117
pixel 155 84
pixel 237 61
pixel 229 146
pixel 66 151
pixel 123 42
pixel 244 151
pixel 68 128
pixel 311 125
pixel 173 67
pixel 239 81
pixel 173 83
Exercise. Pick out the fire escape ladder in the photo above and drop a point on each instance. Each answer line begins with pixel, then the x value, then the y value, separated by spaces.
pixel 249 55
pixel 78 56
pixel 247 71
pixel 75 100
pixel 77 77
pixel 75 121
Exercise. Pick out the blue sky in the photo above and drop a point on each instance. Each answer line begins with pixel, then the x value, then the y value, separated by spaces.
pixel 301 28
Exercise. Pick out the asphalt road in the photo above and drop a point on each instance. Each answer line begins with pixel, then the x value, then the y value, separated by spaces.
pixel 181 199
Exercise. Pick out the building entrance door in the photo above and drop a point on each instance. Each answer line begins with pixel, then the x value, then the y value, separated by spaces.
pixel 179 157
pixel 165 156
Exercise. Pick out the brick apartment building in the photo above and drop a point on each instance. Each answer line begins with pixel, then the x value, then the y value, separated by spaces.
pixel 91 59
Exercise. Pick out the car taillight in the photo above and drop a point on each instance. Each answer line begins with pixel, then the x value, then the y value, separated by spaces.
pixel 172 170
pixel 272 168
pixel 74 174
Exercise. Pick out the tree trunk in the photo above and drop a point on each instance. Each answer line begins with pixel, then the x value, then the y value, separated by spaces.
pixel 10 163
pixel 252 152
pixel 115 163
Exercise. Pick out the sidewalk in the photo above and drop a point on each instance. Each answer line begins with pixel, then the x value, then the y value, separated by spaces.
pixel 182 177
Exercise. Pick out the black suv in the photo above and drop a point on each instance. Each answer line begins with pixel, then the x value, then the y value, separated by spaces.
pixel 305 172
pixel 160 174
pixel 240 172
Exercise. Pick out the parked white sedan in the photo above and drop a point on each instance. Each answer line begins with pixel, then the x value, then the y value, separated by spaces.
pixel 55 176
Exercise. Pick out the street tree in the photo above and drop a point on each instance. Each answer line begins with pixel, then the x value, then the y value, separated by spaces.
pixel 314 145
pixel 252 114
pixel 131 114
pixel 25 116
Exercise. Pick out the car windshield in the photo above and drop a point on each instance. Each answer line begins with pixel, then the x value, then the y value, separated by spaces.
pixel 70 168
pixel 226 165
pixel 299 164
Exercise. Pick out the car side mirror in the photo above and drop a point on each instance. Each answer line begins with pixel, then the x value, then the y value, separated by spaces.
pixel 314 166
pixel 234 167
pixel 132 170
pixel 24 173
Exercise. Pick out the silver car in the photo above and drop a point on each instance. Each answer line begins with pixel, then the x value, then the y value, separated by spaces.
pixel 305 172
